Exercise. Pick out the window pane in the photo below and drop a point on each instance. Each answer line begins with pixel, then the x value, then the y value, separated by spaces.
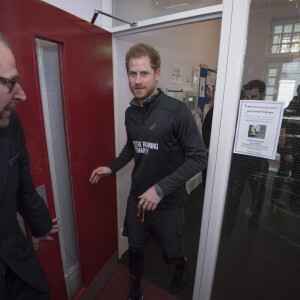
pixel 278 29
pixel 269 98
pixel 272 72
pixel 285 48
pixel 275 49
pixel 49 62
pixel 296 38
pixel 286 90
pixel 286 38
pixel 270 91
pixel 288 28
pixel 277 39
pixel 295 48
pixel 271 81
pixel 297 27
pixel 291 67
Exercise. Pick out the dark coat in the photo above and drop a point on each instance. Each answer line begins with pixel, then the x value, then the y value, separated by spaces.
pixel 18 194
pixel 206 127
pixel 291 123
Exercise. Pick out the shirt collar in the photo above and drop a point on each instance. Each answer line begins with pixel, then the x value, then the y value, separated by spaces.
pixel 135 102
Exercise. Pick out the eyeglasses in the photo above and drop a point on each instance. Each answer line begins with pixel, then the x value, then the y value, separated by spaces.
pixel 10 83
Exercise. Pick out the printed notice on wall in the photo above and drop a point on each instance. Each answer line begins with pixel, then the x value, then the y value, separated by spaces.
pixel 176 74
pixel 258 128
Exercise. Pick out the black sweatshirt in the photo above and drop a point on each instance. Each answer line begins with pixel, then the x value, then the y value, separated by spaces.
pixel 166 145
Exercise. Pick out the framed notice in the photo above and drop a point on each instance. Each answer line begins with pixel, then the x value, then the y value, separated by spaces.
pixel 176 74
pixel 258 128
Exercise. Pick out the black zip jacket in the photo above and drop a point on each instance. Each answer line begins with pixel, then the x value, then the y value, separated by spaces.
pixel 166 145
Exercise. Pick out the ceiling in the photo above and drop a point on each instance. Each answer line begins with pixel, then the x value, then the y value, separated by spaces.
pixel 182 37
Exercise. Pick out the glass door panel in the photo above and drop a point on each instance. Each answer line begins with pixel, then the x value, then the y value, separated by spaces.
pixel 48 54
pixel 259 250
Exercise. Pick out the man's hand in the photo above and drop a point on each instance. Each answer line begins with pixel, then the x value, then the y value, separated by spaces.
pixel 98 173
pixel 55 228
pixel 149 200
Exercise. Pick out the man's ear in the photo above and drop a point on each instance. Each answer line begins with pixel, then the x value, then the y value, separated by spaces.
pixel 157 74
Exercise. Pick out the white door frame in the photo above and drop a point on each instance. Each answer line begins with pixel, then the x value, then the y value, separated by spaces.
pixel 234 15
pixel 228 86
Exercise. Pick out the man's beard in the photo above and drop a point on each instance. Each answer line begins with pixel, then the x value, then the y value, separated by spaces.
pixel 3 121
pixel 5 113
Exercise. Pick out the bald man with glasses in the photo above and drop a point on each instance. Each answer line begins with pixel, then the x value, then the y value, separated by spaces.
pixel 21 276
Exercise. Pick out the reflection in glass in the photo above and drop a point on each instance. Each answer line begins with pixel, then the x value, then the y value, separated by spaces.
pixel 295 48
pixel 277 39
pixel 271 82
pixel 286 38
pixel 285 49
pixel 272 72
pixel 270 91
pixel 136 10
pixel 278 29
pixel 275 49
pixel 286 91
pixel 288 28
pixel 296 38
pixel 258 254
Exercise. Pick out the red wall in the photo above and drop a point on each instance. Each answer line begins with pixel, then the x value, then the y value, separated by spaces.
pixel 88 100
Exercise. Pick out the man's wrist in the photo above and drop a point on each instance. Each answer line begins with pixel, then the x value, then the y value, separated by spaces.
pixel 159 191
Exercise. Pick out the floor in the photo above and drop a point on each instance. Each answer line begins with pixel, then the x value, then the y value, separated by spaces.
pixel 117 288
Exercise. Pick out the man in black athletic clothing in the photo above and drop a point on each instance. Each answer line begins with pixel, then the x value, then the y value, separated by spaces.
pixel 164 141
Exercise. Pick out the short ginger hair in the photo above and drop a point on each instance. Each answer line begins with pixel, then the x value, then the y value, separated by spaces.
pixel 142 50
